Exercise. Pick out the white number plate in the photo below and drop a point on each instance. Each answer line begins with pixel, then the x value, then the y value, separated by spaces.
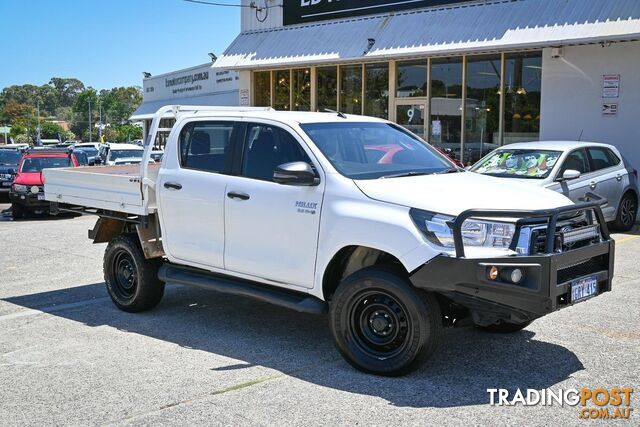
pixel 584 288
pixel 6 184
pixel 40 196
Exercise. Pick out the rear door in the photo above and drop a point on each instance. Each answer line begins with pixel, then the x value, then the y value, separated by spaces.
pixel 272 229
pixel 609 175
pixel 191 187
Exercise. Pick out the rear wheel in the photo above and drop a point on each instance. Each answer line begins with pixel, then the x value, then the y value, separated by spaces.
pixel 132 281
pixel 505 327
pixel 627 211
pixel 383 325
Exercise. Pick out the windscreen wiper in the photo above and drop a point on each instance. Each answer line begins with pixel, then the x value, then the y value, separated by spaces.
pixel 403 174
pixel 448 170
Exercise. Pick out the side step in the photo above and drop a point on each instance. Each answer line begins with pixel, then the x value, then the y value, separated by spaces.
pixel 179 275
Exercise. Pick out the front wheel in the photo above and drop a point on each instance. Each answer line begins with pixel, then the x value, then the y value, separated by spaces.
pixel 132 281
pixel 381 324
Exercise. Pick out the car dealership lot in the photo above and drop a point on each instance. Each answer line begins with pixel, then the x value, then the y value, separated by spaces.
pixel 68 356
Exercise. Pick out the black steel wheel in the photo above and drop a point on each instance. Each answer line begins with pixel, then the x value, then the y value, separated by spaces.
pixel 382 324
pixel 132 281
pixel 627 212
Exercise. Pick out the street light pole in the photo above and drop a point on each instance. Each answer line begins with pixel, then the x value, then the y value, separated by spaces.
pixel 90 138
pixel 38 138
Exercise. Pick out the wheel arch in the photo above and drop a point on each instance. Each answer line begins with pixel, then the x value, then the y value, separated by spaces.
pixel 350 259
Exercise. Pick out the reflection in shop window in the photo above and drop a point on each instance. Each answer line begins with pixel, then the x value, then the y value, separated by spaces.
pixel 523 82
pixel 282 88
pixel 482 107
pixel 351 89
pixel 301 89
pixel 327 91
pixel 412 79
pixel 377 90
pixel 262 89
pixel 446 105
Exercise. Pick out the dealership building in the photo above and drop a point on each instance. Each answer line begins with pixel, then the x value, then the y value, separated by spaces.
pixel 465 75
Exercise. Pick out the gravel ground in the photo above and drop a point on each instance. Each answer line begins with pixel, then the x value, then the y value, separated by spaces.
pixel 68 356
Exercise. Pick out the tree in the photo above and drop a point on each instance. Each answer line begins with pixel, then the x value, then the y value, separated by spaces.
pixel 50 130
pixel 67 90
pixel 119 103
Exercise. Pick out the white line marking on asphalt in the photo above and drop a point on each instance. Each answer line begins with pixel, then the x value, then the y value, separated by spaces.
pixel 52 309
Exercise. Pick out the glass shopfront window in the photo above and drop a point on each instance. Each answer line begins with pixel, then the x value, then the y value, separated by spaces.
pixel 523 83
pixel 377 90
pixel 411 79
pixel 482 107
pixel 301 89
pixel 351 89
pixel 327 90
pixel 446 105
pixel 262 89
pixel 282 90
pixel 411 117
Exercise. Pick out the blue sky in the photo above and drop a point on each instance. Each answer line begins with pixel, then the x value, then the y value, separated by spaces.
pixel 108 43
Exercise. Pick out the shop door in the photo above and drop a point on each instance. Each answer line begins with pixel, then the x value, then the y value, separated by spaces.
pixel 411 114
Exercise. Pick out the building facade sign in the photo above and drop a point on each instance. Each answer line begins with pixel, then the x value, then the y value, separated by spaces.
pixel 303 11
pixel 197 81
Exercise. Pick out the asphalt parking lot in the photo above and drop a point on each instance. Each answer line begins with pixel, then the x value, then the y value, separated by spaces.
pixel 68 356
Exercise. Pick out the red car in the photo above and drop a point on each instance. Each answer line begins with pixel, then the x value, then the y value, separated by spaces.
pixel 27 190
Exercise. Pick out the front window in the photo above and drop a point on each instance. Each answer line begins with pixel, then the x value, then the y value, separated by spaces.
pixel 126 154
pixel 8 157
pixel 375 150
pixel 37 164
pixel 533 164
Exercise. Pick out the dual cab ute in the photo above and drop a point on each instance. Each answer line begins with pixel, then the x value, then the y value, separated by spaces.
pixel 329 212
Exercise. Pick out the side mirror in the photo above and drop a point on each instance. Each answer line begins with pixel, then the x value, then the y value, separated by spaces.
pixel 296 173
pixel 570 174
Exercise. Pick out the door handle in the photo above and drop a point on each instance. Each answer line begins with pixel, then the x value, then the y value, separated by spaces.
pixel 238 196
pixel 173 186
pixel 619 177
pixel 593 185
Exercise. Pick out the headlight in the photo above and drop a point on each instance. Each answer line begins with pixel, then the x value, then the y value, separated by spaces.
pixel 19 188
pixel 437 228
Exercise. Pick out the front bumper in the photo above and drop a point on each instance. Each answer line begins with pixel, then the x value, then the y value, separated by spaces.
pixel 29 200
pixel 546 283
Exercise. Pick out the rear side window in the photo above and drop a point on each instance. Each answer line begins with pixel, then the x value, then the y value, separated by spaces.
pixel 205 146
pixel 267 147
pixel 602 158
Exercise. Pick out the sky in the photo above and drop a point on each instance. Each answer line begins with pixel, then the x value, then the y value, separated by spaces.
pixel 108 43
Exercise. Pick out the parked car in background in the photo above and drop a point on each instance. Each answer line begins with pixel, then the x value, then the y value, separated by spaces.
pixel 27 190
pixel 87 153
pixel 9 160
pixel 157 155
pixel 573 169
pixel 120 154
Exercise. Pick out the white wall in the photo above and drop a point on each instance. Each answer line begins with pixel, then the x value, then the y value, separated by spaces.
pixel 271 20
pixel 572 96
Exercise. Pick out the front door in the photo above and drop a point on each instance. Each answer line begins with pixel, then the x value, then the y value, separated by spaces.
pixel 578 188
pixel 192 194
pixel 271 230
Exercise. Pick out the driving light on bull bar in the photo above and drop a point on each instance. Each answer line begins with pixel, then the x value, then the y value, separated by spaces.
pixel 516 275
pixel 35 189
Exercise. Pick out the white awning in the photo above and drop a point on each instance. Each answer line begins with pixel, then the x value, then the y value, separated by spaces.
pixel 147 109
pixel 476 27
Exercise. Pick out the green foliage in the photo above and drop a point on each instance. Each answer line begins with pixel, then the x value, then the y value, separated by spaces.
pixel 49 130
pixel 68 99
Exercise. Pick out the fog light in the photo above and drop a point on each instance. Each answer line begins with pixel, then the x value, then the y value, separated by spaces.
pixel 516 275
pixel 35 189
pixel 493 273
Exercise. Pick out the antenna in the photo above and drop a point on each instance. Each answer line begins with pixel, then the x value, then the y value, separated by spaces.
pixel 339 113
pixel 580 137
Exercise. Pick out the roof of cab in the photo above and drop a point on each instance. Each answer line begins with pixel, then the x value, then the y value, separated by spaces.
pixel 300 117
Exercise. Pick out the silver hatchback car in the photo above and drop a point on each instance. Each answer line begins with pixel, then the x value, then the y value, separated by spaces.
pixel 573 169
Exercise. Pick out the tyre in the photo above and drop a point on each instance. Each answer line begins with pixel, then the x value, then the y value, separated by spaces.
pixel 505 327
pixel 132 281
pixel 627 211
pixel 18 212
pixel 383 325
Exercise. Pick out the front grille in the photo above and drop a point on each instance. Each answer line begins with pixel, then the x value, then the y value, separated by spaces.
pixel 584 268
pixel 539 237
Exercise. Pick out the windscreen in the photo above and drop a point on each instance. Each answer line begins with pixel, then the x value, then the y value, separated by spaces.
pixel 532 164
pixel 9 157
pixel 126 154
pixel 36 164
pixel 375 150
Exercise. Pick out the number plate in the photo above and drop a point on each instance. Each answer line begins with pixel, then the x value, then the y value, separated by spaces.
pixel 584 288
pixel 40 196
pixel 6 184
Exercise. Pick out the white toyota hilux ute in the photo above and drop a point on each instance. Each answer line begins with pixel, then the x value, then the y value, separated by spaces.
pixel 327 212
